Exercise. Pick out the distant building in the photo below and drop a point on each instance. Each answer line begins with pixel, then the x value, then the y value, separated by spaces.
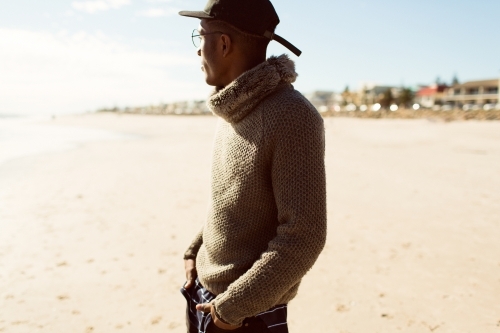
pixel 324 100
pixel 431 95
pixel 473 92
pixel 371 94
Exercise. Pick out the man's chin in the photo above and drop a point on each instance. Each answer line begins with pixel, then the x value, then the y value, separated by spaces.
pixel 210 81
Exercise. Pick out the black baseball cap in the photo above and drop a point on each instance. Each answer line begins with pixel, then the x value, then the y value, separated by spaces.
pixel 257 17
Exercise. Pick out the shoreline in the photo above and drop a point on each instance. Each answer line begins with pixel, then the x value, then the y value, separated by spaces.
pixel 451 115
pixel 35 135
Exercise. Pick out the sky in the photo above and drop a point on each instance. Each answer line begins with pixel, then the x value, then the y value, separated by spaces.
pixel 70 56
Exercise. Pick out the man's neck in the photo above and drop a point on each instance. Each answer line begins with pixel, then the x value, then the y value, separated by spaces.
pixel 242 66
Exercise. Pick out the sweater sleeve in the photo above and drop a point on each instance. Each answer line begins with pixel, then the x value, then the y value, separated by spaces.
pixel 299 187
pixel 192 251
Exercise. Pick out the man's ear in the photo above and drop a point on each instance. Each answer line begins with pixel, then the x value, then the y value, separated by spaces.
pixel 226 44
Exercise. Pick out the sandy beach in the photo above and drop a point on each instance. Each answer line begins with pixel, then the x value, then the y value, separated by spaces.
pixel 91 238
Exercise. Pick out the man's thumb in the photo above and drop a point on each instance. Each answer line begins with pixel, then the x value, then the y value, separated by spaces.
pixel 205 307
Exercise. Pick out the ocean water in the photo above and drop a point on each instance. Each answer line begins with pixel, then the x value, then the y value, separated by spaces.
pixel 26 136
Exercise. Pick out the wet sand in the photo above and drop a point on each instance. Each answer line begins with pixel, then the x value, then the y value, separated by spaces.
pixel 91 239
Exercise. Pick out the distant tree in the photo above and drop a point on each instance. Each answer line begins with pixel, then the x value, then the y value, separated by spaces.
pixel 406 97
pixel 387 99
pixel 346 96
pixel 438 81
pixel 455 81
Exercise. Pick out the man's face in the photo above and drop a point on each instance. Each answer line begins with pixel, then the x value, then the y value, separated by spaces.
pixel 212 60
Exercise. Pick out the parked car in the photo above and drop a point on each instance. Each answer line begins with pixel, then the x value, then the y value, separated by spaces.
pixel 446 107
pixel 467 107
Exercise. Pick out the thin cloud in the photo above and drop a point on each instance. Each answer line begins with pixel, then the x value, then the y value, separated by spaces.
pixel 60 73
pixel 69 13
pixel 99 5
pixel 157 12
pixel 158 1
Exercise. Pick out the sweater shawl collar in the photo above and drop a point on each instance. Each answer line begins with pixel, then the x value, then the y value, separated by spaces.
pixel 235 101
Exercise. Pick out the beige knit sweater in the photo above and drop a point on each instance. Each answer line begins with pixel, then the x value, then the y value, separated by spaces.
pixel 267 219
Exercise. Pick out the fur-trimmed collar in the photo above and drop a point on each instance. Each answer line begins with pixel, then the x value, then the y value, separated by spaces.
pixel 235 101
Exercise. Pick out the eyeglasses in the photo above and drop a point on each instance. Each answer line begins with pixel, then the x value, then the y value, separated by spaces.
pixel 196 36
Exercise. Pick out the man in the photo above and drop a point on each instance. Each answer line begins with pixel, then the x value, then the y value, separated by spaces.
pixel 266 224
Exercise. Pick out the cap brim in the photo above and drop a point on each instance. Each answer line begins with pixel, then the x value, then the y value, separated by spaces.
pixel 195 14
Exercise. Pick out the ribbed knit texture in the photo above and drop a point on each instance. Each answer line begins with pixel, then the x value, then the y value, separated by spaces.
pixel 267 220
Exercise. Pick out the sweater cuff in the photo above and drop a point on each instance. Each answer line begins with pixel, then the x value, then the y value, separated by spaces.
pixel 189 255
pixel 219 317
pixel 226 310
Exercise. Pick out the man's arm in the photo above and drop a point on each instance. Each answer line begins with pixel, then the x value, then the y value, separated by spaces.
pixel 299 186
pixel 190 259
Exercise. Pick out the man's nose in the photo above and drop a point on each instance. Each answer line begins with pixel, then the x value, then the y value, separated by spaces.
pixel 198 51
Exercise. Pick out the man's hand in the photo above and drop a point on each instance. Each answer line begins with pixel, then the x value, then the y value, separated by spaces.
pixel 191 273
pixel 208 307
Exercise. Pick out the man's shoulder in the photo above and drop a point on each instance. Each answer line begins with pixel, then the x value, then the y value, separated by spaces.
pixel 289 106
pixel 286 97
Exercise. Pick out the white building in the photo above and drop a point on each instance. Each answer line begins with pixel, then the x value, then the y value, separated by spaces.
pixel 474 92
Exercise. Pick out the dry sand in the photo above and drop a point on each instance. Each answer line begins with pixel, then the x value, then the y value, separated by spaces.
pixel 91 239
